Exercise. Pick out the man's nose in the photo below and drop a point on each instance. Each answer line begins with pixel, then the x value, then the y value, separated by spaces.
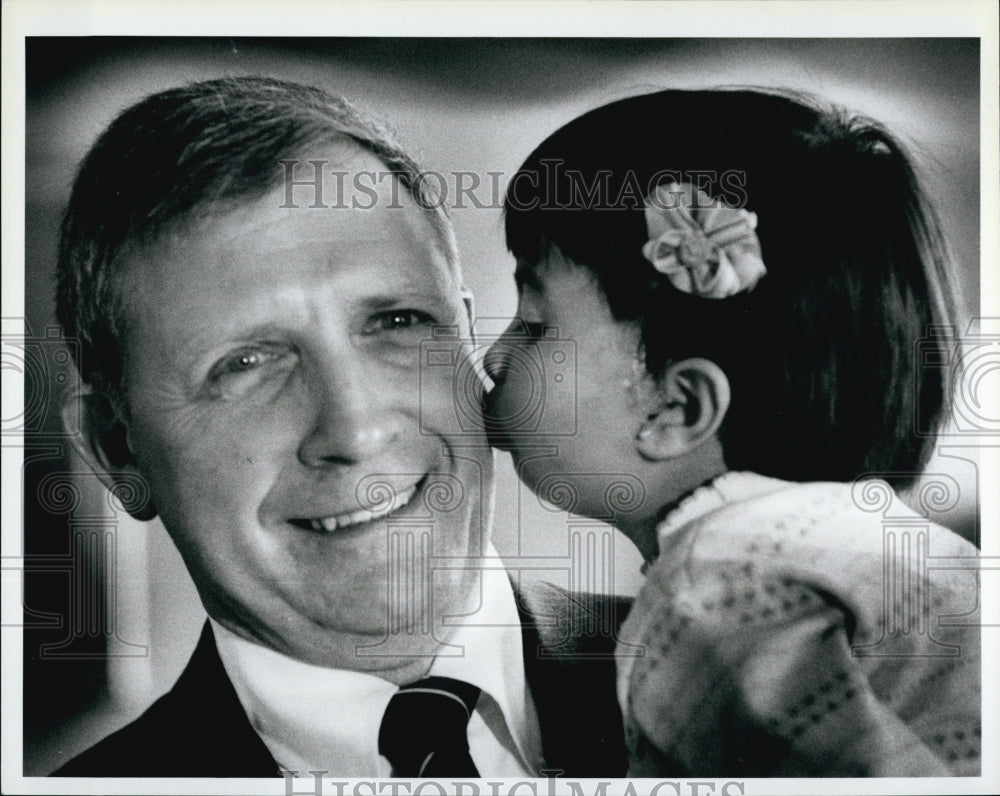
pixel 355 418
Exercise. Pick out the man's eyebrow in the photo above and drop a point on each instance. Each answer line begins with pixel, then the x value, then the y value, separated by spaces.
pixel 260 331
pixel 393 300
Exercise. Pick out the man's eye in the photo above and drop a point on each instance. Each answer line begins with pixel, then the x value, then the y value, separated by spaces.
pixel 399 319
pixel 241 363
pixel 241 371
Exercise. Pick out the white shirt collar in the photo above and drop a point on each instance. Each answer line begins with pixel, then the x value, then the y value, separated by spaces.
pixel 490 654
pixel 320 719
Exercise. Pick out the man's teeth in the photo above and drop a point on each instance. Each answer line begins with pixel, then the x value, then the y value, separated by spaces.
pixel 365 515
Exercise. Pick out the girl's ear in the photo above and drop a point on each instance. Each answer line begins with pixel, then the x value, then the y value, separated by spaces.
pixel 100 437
pixel 692 401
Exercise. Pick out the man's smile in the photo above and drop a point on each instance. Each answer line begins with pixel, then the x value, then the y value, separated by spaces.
pixel 386 505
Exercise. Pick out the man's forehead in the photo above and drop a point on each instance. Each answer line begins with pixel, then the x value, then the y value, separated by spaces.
pixel 385 238
pixel 324 184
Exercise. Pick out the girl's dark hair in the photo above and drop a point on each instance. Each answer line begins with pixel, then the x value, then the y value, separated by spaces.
pixel 825 356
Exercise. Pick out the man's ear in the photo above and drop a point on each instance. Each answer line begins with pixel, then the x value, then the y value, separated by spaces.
pixel 692 400
pixel 100 437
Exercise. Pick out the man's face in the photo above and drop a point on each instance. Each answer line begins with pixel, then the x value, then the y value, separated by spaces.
pixel 294 449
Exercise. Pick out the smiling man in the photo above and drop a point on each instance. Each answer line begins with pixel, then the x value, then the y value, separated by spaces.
pixel 250 340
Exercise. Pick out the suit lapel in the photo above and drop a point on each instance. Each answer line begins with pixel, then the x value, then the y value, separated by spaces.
pixel 197 729
pixel 219 739
pixel 569 645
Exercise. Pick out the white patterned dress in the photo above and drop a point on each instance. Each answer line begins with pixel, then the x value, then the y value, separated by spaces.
pixel 802 630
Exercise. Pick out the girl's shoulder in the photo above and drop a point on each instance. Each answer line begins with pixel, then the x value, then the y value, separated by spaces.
pixel 818 530
pixel 776 553
pixel 768 606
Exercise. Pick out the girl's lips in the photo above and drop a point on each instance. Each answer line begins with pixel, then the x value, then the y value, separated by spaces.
pixel 498 440
pixel 494 430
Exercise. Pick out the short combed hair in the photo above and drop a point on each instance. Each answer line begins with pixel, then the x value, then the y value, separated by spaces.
pixel 823 356
pixel 187 149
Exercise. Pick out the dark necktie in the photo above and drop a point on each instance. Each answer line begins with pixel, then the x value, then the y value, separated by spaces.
pixel 423 729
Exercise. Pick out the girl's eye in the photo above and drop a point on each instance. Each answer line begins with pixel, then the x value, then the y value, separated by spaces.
pixel 531 317
pixel 533 330
pixel 529 331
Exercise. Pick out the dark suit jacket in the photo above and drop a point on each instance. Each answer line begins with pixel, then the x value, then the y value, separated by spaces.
pixel 199 729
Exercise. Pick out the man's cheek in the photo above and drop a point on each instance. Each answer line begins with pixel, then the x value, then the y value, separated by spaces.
pixel 448 394
pixel 194 463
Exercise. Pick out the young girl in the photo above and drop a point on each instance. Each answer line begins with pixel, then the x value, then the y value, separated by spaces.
pixel 748 286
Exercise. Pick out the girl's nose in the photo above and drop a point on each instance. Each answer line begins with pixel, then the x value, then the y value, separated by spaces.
pixel 497 359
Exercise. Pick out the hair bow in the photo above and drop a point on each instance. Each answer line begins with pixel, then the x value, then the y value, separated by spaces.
pixel 702 246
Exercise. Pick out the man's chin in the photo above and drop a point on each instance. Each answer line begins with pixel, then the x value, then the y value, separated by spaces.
pixel 361 625
pixel 382 649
